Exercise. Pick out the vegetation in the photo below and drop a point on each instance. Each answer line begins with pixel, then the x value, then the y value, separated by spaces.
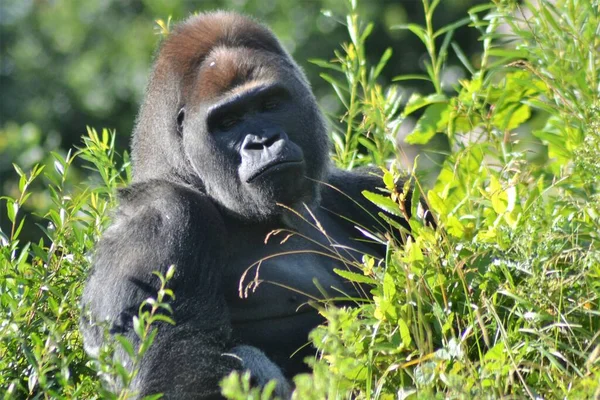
pixel 502 299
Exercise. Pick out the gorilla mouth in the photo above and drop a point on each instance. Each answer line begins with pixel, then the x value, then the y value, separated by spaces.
pixel 272 166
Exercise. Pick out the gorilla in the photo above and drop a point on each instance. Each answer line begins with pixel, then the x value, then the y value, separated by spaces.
pixel 228 150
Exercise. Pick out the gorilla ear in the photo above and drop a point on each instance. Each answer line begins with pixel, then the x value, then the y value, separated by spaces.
pixel 180 118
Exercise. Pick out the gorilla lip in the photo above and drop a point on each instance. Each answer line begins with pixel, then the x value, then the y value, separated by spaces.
pixel 271 166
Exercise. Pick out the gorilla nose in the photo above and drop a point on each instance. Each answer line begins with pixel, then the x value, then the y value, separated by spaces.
pixel 255 142
pixel 260 153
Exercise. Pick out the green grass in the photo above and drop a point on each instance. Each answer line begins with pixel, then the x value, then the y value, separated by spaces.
pixel 502 300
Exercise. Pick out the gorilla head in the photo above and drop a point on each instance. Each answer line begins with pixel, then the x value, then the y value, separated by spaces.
pixel 229 112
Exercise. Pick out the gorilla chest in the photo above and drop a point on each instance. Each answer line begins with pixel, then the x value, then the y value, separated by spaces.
pixel 278 280
pixel 268 288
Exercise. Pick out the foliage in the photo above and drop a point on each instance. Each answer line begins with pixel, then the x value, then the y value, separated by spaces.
pixel 502 299
pixel 40 347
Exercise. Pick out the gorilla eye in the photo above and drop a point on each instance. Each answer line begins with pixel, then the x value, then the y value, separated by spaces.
pixel 180 118
pixel 229 122
pixel 270 104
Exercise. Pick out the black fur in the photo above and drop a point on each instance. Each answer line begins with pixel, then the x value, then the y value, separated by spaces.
pixel 229 146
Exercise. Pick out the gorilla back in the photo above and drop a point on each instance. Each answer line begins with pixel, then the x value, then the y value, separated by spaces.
pixel 229 146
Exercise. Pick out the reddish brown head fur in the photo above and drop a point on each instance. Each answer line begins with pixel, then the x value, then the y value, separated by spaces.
pixel 201 48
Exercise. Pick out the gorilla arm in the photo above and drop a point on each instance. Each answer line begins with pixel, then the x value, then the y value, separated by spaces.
pixel 159 224
pixel 342 195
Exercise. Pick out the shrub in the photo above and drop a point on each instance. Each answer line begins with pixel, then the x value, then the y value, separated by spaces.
pixel 503 298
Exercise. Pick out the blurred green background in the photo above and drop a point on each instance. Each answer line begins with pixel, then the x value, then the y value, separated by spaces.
pixel 68 64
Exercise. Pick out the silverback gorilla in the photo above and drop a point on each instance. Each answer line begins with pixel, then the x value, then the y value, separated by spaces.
pixel 229 146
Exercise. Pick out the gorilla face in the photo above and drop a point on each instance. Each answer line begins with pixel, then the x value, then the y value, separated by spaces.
pixel 242 149
pixel 229 112
pixel 245 139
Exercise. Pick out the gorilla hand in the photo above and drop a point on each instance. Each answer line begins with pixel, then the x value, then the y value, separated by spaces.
pixel 262 370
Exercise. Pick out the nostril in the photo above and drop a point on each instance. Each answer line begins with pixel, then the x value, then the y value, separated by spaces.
pixel 252 145
pixel 253 142
pixel 269 141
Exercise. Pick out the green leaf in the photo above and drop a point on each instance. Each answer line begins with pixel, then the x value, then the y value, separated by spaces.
pixel 19 170
pixel 325 64
pixel 388 180
pixel 387 54
pixel 462 57
pixel 550 19
pixel 162 318
pixel 498 196
pixel 368 29
pixel 443 52
pixel 425 373
pixel 518 299
pixel 334 82
pixel 389 287
pixel 138 328
pixel 393 223
pixel 496 353
pixel 413 251
pixel 511 117
pixel 411 77
pixel 453 26
pixel 454 227
pixel 59 163
pixel 555 137
pixel 481 7
pixel 404 333
pixel 433 120
pixel 416 102
pixel 368 143
pixel 12 207
pixel 268 389
pixel 436 203
pixel 154 397
pixel 339 89
pixel 354 277
pixel 148 340
pixel 418 30
pixel 170 272
pixel 507 53
pixel 19 228
pixel 383 202
pixel 126 344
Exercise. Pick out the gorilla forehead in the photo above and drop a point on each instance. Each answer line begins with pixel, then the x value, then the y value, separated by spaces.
pixel 227 68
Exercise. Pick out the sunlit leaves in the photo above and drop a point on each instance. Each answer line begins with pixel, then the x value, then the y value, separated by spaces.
pixel 433 120
pixel 41 282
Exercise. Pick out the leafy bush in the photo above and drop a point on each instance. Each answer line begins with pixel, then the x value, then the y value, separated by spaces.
pixel 41 353
pixel 502 299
